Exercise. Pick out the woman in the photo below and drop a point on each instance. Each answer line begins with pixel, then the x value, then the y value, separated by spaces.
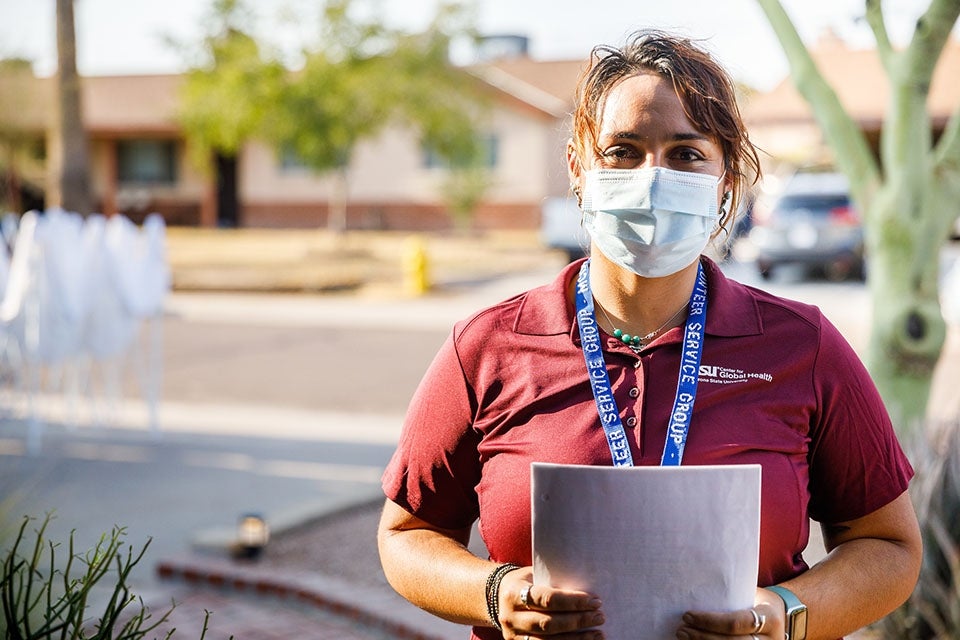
pixel 659 159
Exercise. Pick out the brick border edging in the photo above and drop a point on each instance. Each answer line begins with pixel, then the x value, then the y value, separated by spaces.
pixel 361 604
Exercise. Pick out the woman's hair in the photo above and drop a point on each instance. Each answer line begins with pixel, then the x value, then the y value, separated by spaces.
pixel 705 90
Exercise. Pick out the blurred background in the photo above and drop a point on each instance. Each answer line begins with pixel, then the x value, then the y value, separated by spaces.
pixel 184 111
pixel 221 213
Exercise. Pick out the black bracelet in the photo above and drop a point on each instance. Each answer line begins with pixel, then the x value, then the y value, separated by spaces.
pixel 493 592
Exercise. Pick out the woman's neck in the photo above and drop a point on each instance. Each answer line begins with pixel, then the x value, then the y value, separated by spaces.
pixel 637 305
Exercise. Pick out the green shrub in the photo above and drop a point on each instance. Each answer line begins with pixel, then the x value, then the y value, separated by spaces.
pixel 39 600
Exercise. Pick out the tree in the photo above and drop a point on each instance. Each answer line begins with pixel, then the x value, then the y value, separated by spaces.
pixel 359 78
pixel 70 157
pixel 229 90
pixel 908 199
pixel 443 104
pixel 364 76
pixel 20 137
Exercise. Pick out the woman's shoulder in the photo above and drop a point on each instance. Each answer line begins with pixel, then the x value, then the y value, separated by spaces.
pixel 543 310
pixel 743 306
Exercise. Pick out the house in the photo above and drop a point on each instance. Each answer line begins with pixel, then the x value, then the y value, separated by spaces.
pixel 782 125
pixel 140 161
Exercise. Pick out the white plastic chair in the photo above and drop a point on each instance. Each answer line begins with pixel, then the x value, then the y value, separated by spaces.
pixel 137 262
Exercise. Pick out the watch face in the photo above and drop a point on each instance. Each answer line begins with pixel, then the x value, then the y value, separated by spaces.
pixel 798 625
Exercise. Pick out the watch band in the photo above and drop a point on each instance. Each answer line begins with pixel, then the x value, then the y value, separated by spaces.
pixel 796 611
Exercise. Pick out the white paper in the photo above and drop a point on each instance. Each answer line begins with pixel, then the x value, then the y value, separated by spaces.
pixel 652 542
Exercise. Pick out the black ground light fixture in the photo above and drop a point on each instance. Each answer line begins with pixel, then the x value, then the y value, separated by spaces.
pixel 253 533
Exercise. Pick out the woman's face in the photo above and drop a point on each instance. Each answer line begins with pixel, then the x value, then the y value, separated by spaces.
pixel 642 124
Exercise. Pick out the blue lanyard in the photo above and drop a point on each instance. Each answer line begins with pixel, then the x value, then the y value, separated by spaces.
pixel 607 409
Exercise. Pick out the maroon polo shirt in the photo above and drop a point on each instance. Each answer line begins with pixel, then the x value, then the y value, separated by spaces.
pixel 778 386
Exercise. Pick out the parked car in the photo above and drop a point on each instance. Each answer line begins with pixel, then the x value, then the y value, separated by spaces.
pixel 560 227
pixel 811 223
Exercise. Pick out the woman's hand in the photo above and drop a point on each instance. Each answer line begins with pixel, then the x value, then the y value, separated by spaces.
pixel 765 620
pixel 529 611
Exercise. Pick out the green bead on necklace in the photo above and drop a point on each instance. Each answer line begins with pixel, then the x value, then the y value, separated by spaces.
pixel 626 338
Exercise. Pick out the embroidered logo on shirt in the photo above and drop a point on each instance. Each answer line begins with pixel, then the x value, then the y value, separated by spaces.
pixel 726 375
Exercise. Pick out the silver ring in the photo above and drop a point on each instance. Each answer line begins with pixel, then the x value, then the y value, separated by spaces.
pixel 754 636
pixel 525 598
pixel 758 621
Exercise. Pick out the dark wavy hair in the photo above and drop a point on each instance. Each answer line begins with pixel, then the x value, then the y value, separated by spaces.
pixel 704 87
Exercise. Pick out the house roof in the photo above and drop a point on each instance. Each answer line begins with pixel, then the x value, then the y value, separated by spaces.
pixel 546 84
pixel 861 85
pixel 117 105
pixel 146 104
pixel 131 104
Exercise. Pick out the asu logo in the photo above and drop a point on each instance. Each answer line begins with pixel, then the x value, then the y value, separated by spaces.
pixel 726 375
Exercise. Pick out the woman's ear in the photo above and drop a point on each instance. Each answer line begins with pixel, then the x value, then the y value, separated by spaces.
pixel 729 182
pixel 573 162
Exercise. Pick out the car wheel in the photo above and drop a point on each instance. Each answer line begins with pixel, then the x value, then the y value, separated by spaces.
pixel 838 270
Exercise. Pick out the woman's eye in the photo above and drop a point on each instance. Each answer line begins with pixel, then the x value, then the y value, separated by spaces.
pixel 619 153
pixel 689 155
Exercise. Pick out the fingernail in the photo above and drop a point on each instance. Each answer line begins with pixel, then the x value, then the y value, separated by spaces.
pixel 683 635
pixel 687 618
pixel 598 618
pixel 595 603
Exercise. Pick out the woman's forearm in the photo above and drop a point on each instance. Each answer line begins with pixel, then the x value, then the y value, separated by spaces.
pixel 433 570
pixel 858 583
pixel 871 569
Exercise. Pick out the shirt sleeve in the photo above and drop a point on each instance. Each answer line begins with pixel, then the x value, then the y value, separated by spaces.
pixel 435 469
pixel 856 463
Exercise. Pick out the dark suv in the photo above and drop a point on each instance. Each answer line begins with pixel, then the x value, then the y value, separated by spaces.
pixel 811 223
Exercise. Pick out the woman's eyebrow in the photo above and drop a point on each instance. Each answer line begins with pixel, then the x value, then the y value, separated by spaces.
pixel 676 137
pixel 695 135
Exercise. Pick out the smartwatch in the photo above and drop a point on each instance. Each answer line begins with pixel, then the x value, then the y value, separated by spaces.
pixel 796 622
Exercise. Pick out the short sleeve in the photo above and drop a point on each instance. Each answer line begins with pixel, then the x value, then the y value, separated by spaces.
pixel 856 462
pixel 435 469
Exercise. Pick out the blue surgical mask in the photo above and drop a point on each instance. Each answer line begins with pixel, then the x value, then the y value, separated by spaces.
pixel 651 221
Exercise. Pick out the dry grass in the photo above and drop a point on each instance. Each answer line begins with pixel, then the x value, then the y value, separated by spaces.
pixel 320 261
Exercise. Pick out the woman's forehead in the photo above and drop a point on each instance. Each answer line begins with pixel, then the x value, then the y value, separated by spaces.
pixel 644 102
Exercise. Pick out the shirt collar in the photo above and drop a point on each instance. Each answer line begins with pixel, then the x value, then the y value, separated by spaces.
pixel 732 308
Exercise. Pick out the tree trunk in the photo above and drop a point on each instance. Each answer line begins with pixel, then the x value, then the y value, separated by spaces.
pixel 908 331
pixel 905 224
pixel 72 178
pixel 11 199
pixel 337 209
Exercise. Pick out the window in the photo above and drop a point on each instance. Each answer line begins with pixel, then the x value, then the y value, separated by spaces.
pixel 291 161
pixel 489 148
pixel 147 161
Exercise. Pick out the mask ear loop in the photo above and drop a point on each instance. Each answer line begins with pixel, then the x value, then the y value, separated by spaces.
pixel 723 203
pixel 721 227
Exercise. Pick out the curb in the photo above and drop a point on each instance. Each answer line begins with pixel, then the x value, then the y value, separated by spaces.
pixel 218 541
pixel 364 605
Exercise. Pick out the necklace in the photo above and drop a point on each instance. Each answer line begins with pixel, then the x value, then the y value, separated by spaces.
pixel 636 342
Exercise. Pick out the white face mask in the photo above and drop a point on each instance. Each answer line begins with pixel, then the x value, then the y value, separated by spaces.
pixel 651 221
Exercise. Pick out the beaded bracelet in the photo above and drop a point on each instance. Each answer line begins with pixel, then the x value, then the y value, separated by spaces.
pixel 493 592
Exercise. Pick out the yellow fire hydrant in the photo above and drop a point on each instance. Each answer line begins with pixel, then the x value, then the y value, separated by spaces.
pixel 416 267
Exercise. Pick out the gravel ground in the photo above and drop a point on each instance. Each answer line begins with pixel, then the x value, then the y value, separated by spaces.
pixel 343 544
